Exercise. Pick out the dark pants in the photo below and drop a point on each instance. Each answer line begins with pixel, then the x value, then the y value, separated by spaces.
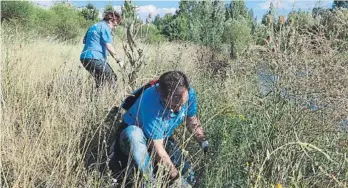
pixel 101 71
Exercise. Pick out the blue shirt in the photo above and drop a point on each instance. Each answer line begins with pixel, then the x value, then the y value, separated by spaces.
pixel 157 121
pixel 96 37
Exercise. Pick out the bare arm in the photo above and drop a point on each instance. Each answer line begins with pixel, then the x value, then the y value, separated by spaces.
pixel 194 126
pixel 162 156
pixel 111 50
pixel 84 38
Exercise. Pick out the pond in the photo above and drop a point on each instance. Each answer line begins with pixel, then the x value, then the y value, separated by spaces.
pixel 267 84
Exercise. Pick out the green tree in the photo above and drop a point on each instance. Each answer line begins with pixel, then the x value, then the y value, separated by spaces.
pixel 108 8
pixel 90 12
pixel 217 20
pixel 180 25
pixel 237 33
pixel 129 10
pixel 340 4
pixel 163 24
pixel 318 11
pixel 19 10
pixel 237 9
pixel 68 25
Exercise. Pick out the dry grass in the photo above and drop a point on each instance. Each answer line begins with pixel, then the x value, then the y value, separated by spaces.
pixel 51 115
pixel 52 118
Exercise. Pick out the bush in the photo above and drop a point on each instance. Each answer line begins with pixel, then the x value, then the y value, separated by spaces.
pixel 68 25
pixel 43 21
pixel 62 20
pixel 150 34
pixel 238 34
pixel 19 10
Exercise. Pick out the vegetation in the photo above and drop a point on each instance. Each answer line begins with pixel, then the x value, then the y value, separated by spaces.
pixel 272 95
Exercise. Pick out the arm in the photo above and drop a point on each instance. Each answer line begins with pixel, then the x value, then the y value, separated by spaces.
pixel 111 49
pixel 84 38
pixel 153 130
pixel 162 156
pixel 107 40
pixel 194 127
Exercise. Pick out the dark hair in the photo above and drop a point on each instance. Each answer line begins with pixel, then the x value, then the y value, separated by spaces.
pixel 171 81
pixel 113 16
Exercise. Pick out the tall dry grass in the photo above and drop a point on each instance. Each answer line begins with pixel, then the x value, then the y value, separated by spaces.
pixel 53 134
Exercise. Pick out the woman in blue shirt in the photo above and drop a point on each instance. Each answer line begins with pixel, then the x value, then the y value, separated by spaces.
pixel 98 43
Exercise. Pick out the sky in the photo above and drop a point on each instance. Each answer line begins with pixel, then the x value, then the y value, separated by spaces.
pixel 161 7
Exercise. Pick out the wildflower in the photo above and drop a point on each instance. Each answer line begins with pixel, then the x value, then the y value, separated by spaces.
pixel 242 117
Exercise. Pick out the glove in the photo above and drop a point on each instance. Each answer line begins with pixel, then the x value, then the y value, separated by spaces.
pixel 205 146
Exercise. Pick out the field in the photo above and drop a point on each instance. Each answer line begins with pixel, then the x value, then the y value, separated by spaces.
pixel 53 132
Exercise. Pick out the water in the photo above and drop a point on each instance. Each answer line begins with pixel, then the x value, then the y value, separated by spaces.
pixel 267 83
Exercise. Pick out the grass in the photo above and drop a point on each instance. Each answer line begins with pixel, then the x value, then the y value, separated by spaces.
pixel 52 119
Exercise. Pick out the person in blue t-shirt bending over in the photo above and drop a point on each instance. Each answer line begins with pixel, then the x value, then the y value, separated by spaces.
pixel 153 118
pixel 98 42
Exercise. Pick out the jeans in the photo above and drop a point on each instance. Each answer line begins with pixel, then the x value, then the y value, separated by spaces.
pixel 134 143
pixel 101 71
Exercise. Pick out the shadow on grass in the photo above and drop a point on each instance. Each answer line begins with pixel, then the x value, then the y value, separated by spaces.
pixel 97 151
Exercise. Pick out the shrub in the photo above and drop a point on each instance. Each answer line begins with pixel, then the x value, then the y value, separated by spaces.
pixel 150 34
pixel 67 27
pixel 238 34
pixel 19 10
pixel 62 20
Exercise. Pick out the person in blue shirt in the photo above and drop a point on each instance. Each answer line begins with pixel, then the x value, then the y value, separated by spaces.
pixel 152 119
pixel 98 43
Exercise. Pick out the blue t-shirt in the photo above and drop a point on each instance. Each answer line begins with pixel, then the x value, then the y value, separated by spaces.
pixel 97 36
pixel 157 121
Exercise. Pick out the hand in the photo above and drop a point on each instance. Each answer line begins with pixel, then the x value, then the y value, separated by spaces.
pixel 174 174
pixel 205 146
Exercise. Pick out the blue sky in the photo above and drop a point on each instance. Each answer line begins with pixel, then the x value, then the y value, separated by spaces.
pixel 283 7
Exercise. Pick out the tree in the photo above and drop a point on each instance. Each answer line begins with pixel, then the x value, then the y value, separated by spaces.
pixel 90 12
pixel 19 10
pixel 218 19
pixel 236 9
pixel 251 14
pixel 340 4
pixel 163 24
pixel 129 10
pixel 68 25
pixel 180 25
pixel 237 33
pixel 108 8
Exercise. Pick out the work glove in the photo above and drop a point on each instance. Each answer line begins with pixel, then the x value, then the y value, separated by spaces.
pixel 205 146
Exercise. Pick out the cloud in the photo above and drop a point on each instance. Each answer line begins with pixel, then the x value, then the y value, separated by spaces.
pixel 144 11
pixel 153 10
pixel 117 8
pixel 294 4
pixel 168 10
pixel 44 4
pixel 276 3
pixel 147 9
